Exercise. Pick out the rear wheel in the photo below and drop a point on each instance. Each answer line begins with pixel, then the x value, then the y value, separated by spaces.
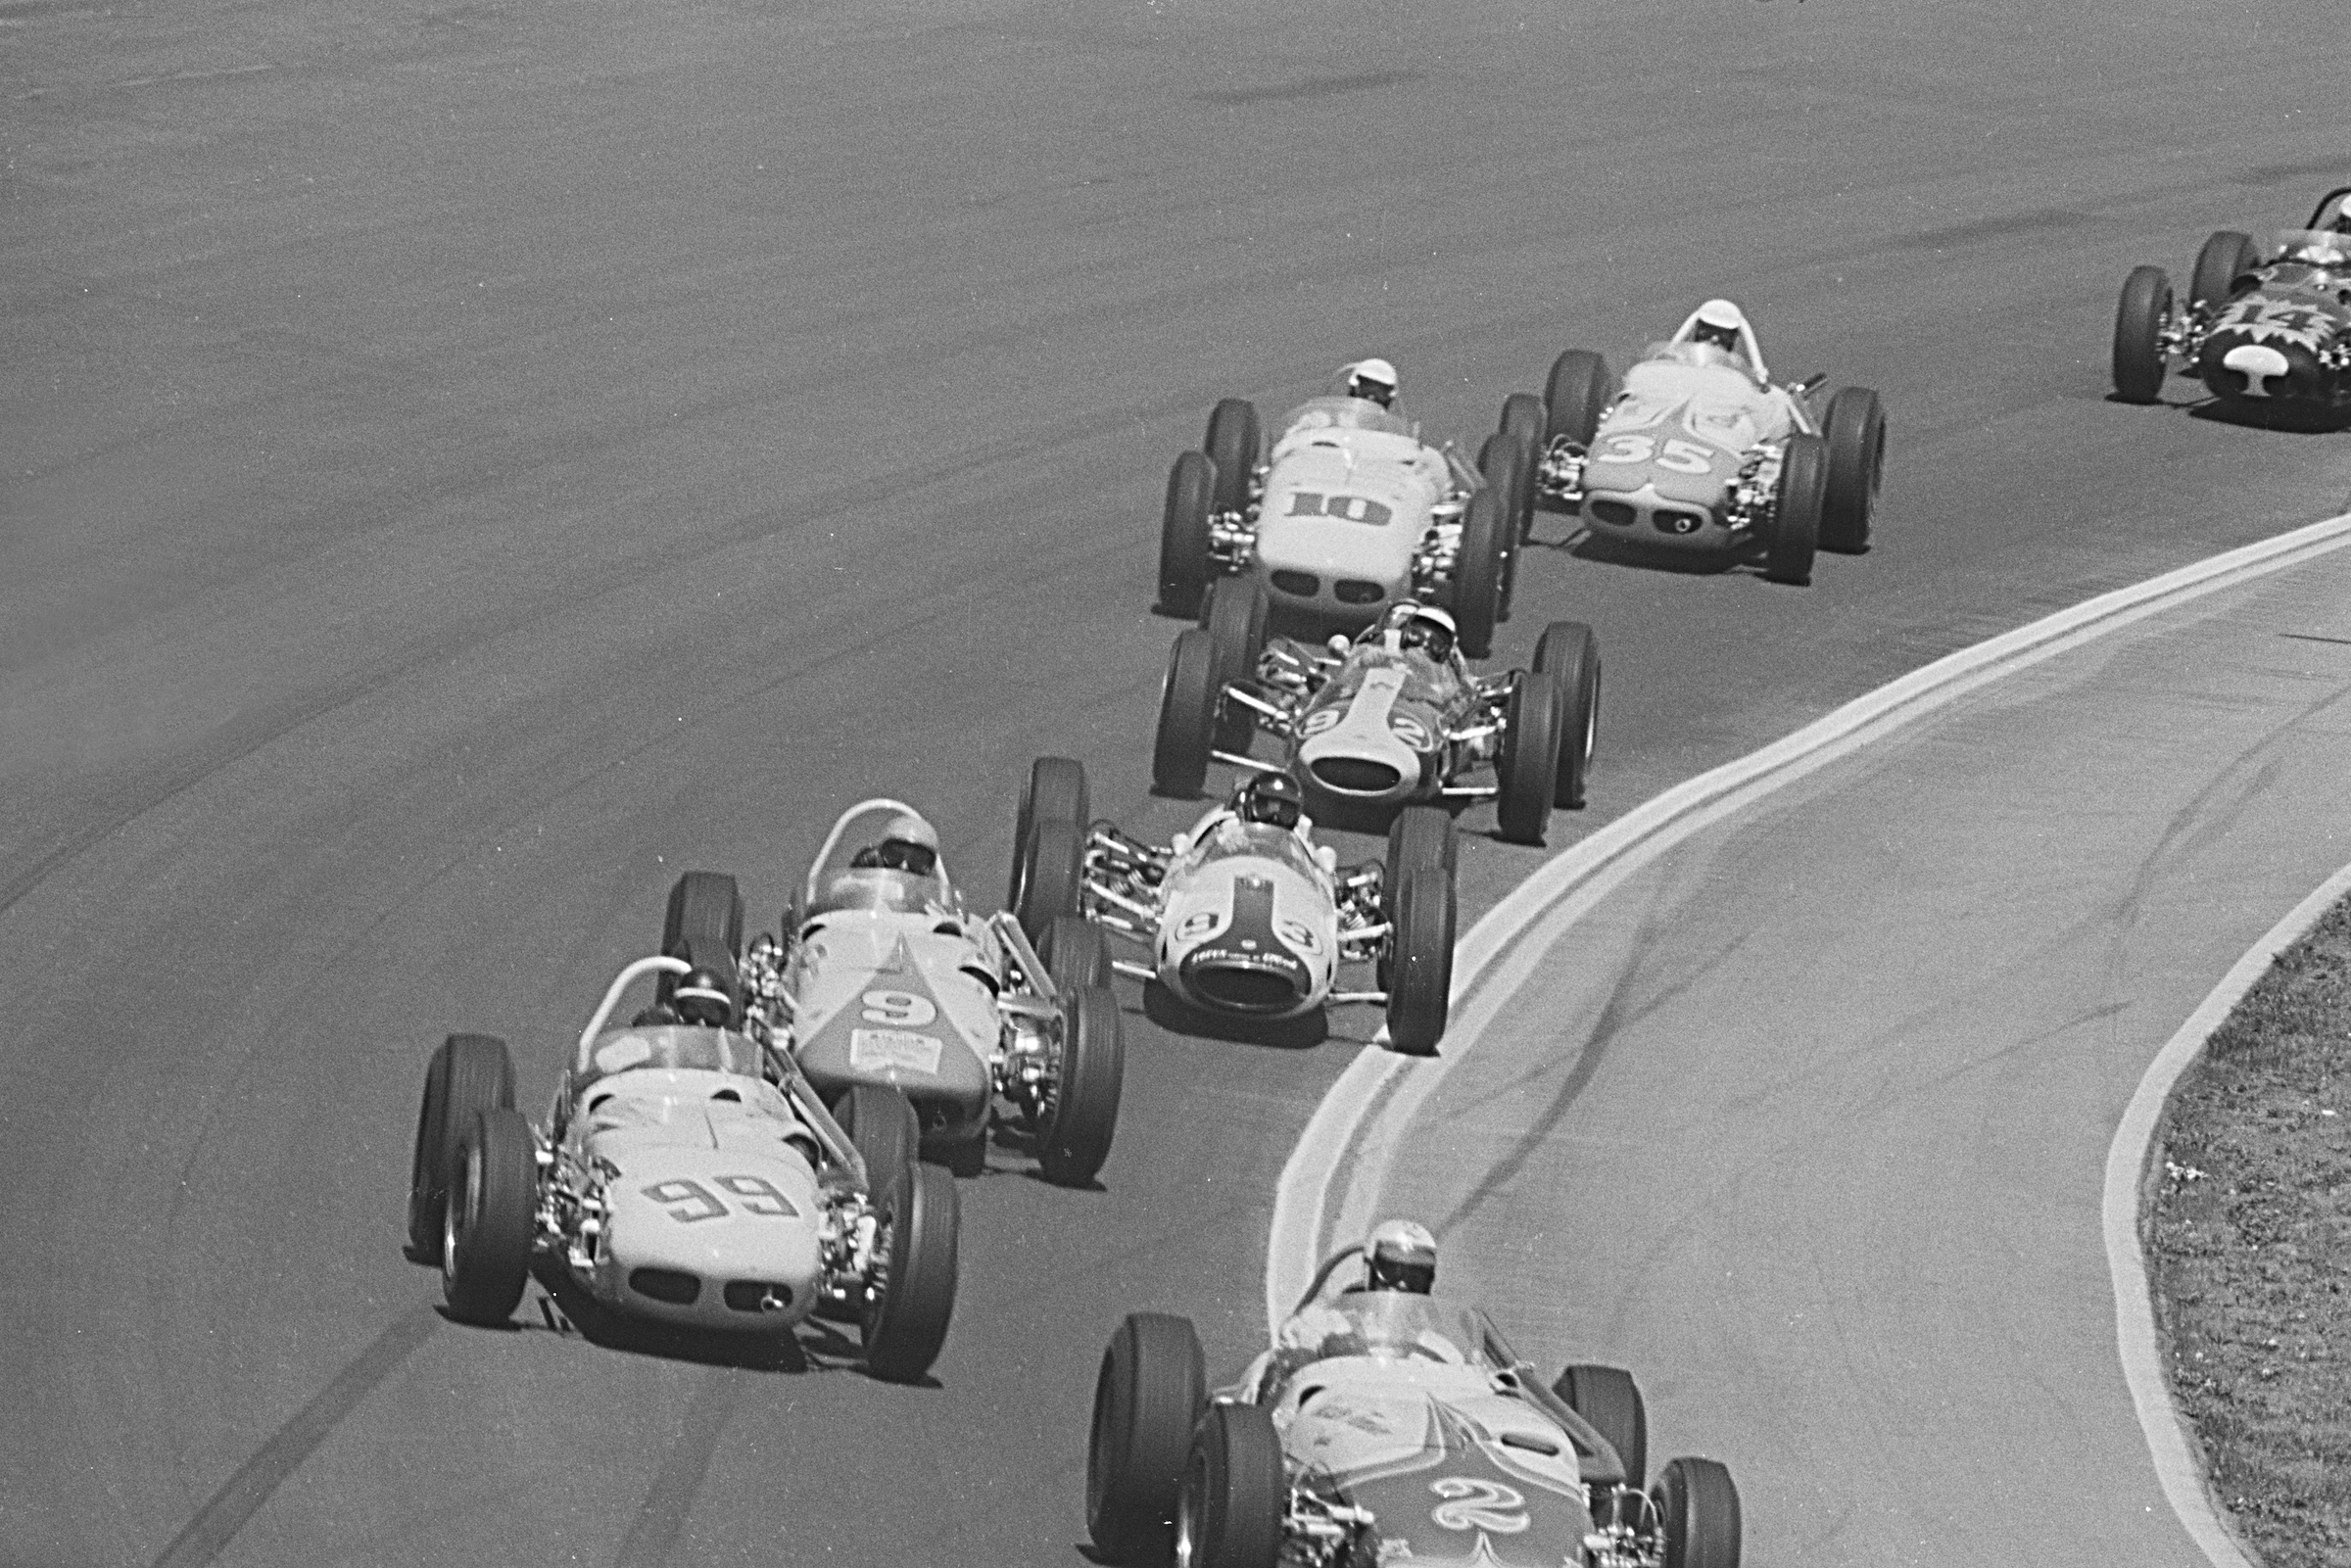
pixel 1236 1495
pixel 1048 844
pixel 1508 465
pixel 1420 964
pixel 1074 1137
pixel 2139 318
pixel 1699 1511
pixel 486 1233
pixel 1579 393
pixel 2226 257
pixel 1076 953
pixel 1530 759
pixel 1237 607
pixel 906 1318
pixel 470 1073
pixel 881 1121
pixel 704 926
pixel 1188 701
pixel 1523 415
pixel 1184 534
pixel 1149 1396
pixel 1569 653
pixel 1421 836
pixel 1609 1399
pixel 1476 588
pixel 1855 431
pixel 1231 445
pixel 1795 510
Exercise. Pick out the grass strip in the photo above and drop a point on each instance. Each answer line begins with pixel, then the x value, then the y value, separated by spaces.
pixel 2248 1243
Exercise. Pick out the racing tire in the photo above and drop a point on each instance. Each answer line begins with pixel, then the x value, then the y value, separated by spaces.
pixel 1048 844
pixel 704 926
pixel 1698 1509
pixel 1421 836
pixel 881 1121
pixel 1076 953
pixel 1855 431
pixel 2139 318
pixel 1231 445
pixel 1183 566
pixel 905 1321
pixel 1148 1395
pixel 1796 511
pixel 1237 609
pixel 493 1208
pixel 1579 393
pixel 1420 965
pixel 1569 653
pixel 1074 1137
pixel 1524 415
pixel 1609 1399
pixel 1477 573
pixel 2226 257
pixel 1188 701
pixel 1236 1492
pixel 1508 466
pixel 469 1073
pixel 1529 764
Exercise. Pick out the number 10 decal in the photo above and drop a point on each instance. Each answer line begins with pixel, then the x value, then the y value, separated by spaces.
pixel 1346 508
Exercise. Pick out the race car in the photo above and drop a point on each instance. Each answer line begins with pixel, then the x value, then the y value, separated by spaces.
pixel 687 1176
pixel 1246 915
pixel 1393 718
pixel 1385 1426
pixel 1701 452
pixel 2266 330
pixel 1348 512
pixel 883 977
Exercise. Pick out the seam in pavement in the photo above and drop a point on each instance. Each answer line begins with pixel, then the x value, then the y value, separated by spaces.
pixel 1342 1153
pixel 2179 1463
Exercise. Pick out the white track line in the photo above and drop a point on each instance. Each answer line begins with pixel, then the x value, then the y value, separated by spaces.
pixel 2177 1463
pixel 1334 1172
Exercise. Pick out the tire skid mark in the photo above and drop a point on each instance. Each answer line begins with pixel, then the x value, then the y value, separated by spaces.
pixel 204 1537
pixel 662 1516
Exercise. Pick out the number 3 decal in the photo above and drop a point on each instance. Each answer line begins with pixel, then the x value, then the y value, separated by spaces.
pixel 902 1008
pixel 1478 1505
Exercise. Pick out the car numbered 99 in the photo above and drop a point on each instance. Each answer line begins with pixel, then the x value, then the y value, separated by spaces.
pixel 686 1176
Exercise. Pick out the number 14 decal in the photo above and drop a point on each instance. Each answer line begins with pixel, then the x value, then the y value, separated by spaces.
pixel 1682 456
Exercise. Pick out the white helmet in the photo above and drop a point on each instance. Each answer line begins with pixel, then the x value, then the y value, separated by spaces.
pixel 1412 625
pixel 1372 379
pixel 1403 1256
pixel 1722 323
pixel 910 844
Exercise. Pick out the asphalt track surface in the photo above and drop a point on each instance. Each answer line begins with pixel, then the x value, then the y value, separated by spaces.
pixel 463 465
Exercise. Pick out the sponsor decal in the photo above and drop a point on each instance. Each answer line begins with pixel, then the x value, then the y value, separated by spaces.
pixel 886 1049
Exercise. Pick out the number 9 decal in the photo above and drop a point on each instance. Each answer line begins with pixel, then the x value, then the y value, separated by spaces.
pixel 693 1198
pixel 901 1009
pixel 759 1195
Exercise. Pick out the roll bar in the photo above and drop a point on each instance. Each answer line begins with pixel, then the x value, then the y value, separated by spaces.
pixel 658 964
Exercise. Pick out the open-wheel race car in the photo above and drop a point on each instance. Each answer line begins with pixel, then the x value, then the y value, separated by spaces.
pixel 1701 452
pixel 1245 915
pixel 1347 512
pixel 687 1175
pixel 1391 719
pixel 922 1023
pixel 1385 1426
pixel 2265 328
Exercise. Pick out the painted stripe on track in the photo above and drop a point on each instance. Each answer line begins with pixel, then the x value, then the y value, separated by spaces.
pixel 1336 1171
pixel 2177 1463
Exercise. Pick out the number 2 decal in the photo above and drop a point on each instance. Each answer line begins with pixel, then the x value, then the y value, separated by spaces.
pixel 1682 456
pixel 695 1202
pixel 1478 1505
pixel 902 1008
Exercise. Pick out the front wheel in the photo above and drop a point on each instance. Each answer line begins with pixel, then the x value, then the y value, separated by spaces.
pixel 1148 1395
pixel 1048 844
pixel 1237 610
pixel 906 1317
pixel 1188 701
pixel 881 1121
pixel 1073 1137
pixel 1420 964
pixel 469 1073
pixel 1232 446
pixel 493 1203
pixel 1795 510
pixel 1477 572
pixel 1855 431
pixel 1235 1494
pixel 1699 1511
pixel 1579 393
pixel 1530 759
pixel 1076 953
pixel 1184 534
pixel 2226 257
pixel 2138 321
pixel 1569 653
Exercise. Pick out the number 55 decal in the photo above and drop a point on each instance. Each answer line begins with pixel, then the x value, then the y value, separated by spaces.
pixel 1682 456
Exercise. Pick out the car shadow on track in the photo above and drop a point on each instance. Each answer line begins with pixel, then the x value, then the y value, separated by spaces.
pixel 2287 418
pixel 1583 544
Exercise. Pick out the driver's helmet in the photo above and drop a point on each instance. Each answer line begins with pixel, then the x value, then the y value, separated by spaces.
pixel 700 998
pixel 1720 324
pixel 2342 216
pixel 1272 798
pixel 1400 1255
pixel 1373 380
pixel 908 845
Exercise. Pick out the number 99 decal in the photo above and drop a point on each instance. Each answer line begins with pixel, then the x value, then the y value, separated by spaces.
pixel 688 1200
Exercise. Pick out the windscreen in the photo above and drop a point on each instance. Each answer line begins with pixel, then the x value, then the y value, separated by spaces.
pixel 1398 1325
pixel 674 1048
pixel 1232 837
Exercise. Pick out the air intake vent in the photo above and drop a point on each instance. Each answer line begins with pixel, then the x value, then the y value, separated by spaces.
pixel 1304 585
pixel 1356 776
pixel 1244 990
pixel 1673 522
pixel 759 1295
pixel 672 1285
pixel 1352 592
pixel 1615 513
